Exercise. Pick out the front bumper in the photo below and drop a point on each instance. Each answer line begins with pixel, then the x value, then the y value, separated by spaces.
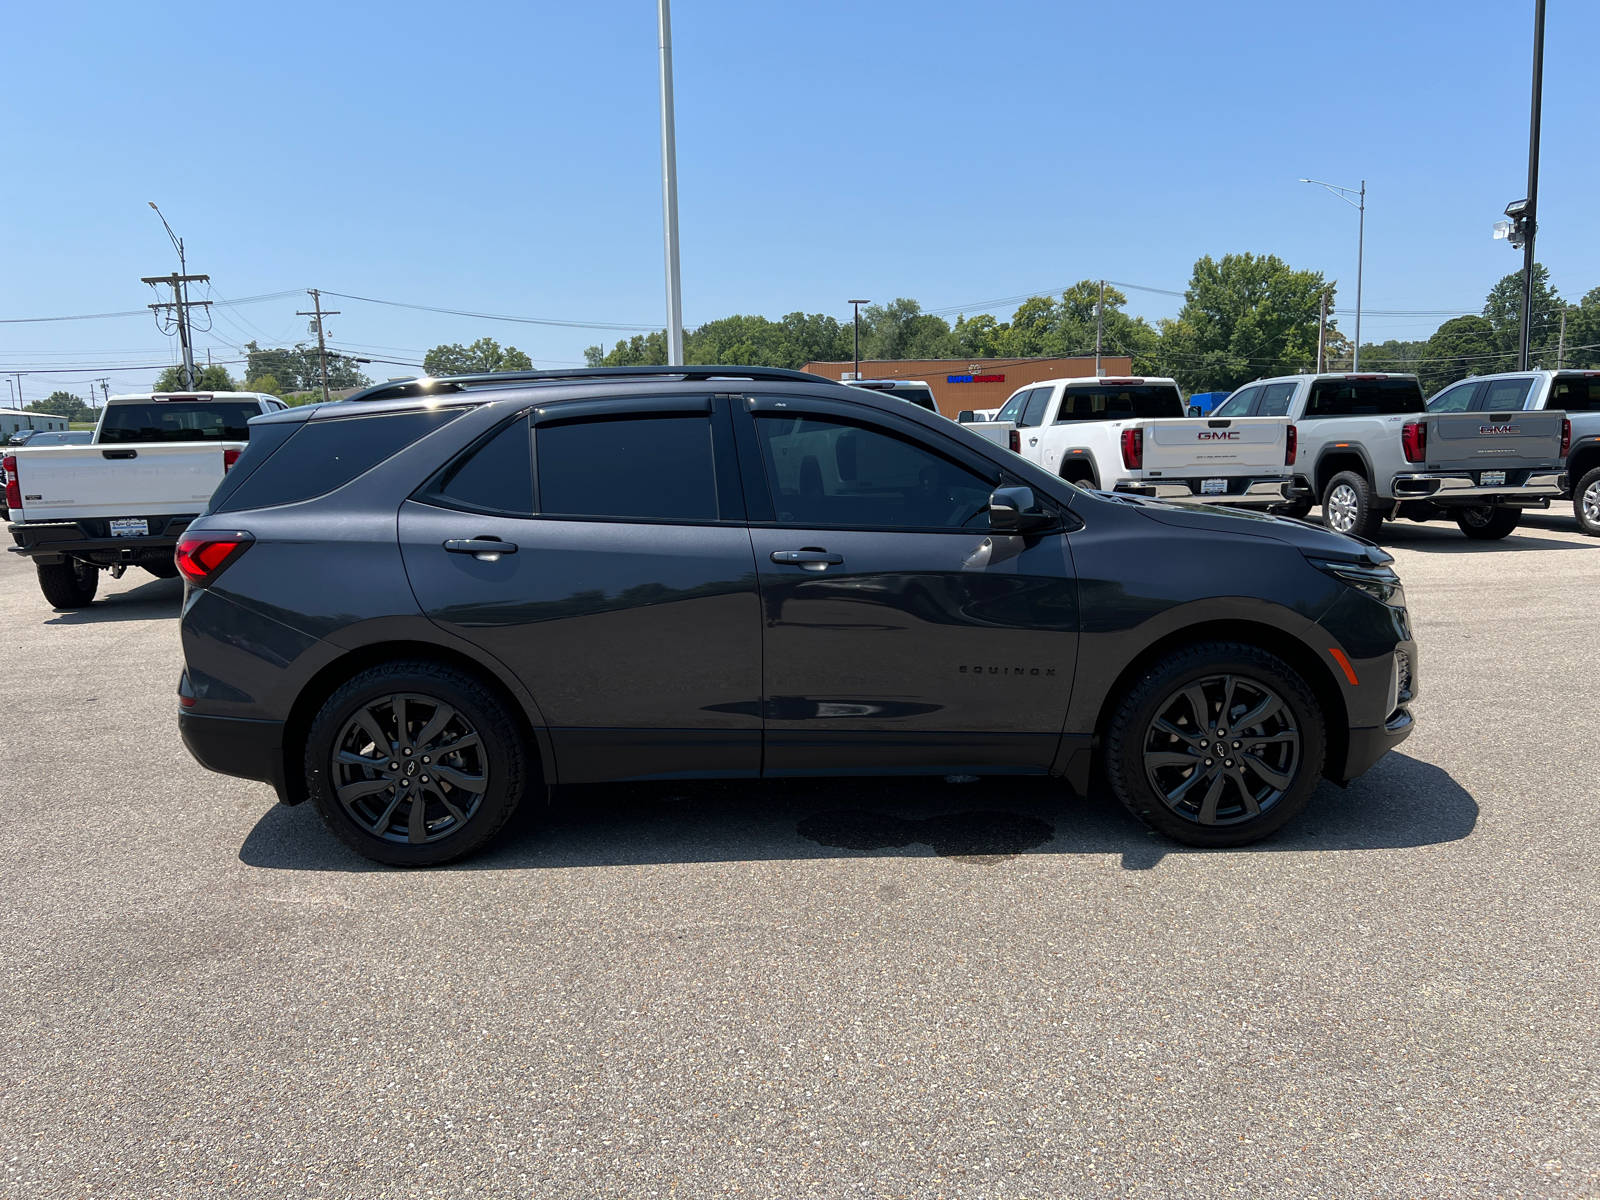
pixel 1243 492
pixel 236 746
pixel 1367 746
pixel 1532 489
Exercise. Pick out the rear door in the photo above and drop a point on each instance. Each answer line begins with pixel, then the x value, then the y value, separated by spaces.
pixel 900 637
pixel 629 606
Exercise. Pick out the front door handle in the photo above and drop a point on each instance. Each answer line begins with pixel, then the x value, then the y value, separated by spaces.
pixel 807 560
pixel 485 549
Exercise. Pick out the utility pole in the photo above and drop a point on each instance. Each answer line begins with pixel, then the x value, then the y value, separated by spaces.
pixel 322 345
pixel 1322 332
pixel 669 188
pixel 1344 194
pixel 1561 344
pixel 1532 210
pixel 856 304
pixel 1099 326
pixel 181 304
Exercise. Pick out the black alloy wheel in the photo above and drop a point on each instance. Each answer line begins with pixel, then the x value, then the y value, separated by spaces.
pixel 69 583
pixel 423 763
pixel 1586 503
pixel 1486 524
pixel 1216 745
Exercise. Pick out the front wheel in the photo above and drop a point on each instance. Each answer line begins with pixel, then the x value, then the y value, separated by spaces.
pixel 1586 503
pixel 415 763
pixel 1217 744
pixel 1487 524
pixel 68 584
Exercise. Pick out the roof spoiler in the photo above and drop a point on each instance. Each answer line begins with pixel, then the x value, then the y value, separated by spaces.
pixel 445 385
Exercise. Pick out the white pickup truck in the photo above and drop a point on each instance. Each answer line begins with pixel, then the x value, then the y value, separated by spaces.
pixel 124 499
pixel 1132 435
pixel 1575 393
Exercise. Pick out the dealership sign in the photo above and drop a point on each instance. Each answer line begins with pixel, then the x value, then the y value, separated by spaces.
pixel 974 378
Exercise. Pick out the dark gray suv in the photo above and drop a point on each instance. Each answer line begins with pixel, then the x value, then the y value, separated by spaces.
pixel 416 606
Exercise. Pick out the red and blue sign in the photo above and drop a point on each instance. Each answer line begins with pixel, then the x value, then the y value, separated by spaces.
pixel 974 378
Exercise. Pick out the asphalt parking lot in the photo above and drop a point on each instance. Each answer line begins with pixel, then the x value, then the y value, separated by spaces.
pixel 906 988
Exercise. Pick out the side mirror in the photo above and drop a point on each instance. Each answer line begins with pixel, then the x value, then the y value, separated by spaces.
pixel 966 416
pixel 1014 510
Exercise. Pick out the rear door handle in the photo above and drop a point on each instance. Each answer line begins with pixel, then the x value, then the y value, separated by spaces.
pixel 483 549
pixel 807 560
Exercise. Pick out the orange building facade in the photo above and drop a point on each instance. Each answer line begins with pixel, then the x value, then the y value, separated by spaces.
pixel 974 383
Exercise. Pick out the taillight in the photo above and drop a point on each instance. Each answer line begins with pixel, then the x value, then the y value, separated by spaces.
pixel 1133 449
pixel 229 457
pixel 1566 436
pixel 1014 442
pixel 1291 447
pixel 13 488
pixel 201 557
pixel 1414 441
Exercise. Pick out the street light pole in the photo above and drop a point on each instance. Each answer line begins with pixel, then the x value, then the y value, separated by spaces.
pixel 856 305
pixel 1344 194
pixel 1532 211
pixel 669 188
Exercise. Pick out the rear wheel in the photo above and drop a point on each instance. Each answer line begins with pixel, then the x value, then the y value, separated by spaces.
pixel 1487 524
pixel 1347 506
pixel 415 763
pixel 1586 503
pixel 68 584
pixel 1217 744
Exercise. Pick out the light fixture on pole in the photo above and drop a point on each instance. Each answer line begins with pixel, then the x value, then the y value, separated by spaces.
pixel 856 304
pixel 669 188
pixel 1344 194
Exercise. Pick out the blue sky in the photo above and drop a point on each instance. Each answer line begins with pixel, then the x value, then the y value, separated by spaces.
pixel 504 158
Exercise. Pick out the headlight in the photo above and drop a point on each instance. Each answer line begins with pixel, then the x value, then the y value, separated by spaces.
pixel 1379 582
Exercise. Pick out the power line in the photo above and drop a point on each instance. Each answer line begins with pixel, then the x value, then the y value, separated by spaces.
pixel 457 312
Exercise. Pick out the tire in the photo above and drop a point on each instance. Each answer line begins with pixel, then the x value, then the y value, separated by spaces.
pixel 161 569
pixel 1298 510
pixel 69 584
pixel 1348 507
pixel 1586 503
pixel 1142 757
pixel 369 808
pixel 1487 524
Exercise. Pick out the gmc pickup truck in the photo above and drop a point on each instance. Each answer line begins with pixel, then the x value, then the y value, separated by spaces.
pixel 123 499
pixel 1132 436
pixel 1575 393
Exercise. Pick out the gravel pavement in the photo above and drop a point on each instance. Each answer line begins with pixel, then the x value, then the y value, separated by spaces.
pixel 820 989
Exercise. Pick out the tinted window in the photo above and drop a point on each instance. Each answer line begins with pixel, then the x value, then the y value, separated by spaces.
pixel 1364 397
pixel 825 472
pixel 1238 404
pixel 1112 402
pixel 1013 407
pixel 1275 399
pixel 498 477
pixel 1033 411
pixel 322 455
pixel 1502 395
pixel 1454 399
pixel 1575 394
pixel 179 421
pixel 640 468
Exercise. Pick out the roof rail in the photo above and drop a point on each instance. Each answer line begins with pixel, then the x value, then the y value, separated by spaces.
pixel 446 384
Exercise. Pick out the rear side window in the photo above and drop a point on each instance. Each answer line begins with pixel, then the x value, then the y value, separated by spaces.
pixel 497 477
pixel 1364 397
pixel 628 468
pixel 1575 394
pixel 323 455
pixel 179 421
pixel 1502 395
pixel 1118 402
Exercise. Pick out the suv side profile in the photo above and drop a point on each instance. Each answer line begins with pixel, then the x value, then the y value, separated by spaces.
pixel 414 607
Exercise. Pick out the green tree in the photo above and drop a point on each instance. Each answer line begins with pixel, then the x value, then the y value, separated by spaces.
pixel 1393 355
pixel 1583 333
pixel 485 356
pixel 1243 317
pixel 641 350
pixel 299 369
pixel 265 383
pixel 63 404
pixel 902 330
pixel 1503 310
pixel 214 378
pixel 1460 347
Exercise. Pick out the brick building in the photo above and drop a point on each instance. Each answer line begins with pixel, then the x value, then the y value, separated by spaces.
pixel 974 383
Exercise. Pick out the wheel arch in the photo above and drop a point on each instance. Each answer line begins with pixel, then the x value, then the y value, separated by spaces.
pixel 1584 458
pixel 1318 677
pixel 1342 458
pixel 332 675
pixel 1079 468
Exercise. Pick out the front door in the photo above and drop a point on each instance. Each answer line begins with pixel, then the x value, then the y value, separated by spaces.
pixel 629 607
pixel 900 636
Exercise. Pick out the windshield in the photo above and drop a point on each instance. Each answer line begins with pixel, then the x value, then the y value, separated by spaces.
pixel 1114 402
pixel 1364 397
pixel 169 421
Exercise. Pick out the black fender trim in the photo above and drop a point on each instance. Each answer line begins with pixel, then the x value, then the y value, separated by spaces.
pixel 237 746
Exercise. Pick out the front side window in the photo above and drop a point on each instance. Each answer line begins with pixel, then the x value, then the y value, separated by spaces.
pixel 179 421
pixel 1238 404
pixel 1454 399
pixel 645 468
pixel 1364 397
pixel 1033 411
pixel 1013 407
pixel 1503 395
pixel 1116 402
pixel 827 472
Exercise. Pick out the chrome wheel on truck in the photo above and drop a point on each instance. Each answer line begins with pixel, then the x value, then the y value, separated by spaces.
pixel 1586 503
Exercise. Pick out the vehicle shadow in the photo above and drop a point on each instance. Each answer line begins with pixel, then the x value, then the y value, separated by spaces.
pixel 157 600
pixel 1400 803
pixel 1443 537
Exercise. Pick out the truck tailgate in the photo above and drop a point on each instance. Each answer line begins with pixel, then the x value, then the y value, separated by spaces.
pixel 1470 441
pixel 1230 446
pixel 60 483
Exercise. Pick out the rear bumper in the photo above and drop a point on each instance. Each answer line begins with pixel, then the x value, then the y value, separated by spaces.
pixel 49 540
pixel 235 746
pixel 1367 746
pixel 1461 488
pixel 1248 492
